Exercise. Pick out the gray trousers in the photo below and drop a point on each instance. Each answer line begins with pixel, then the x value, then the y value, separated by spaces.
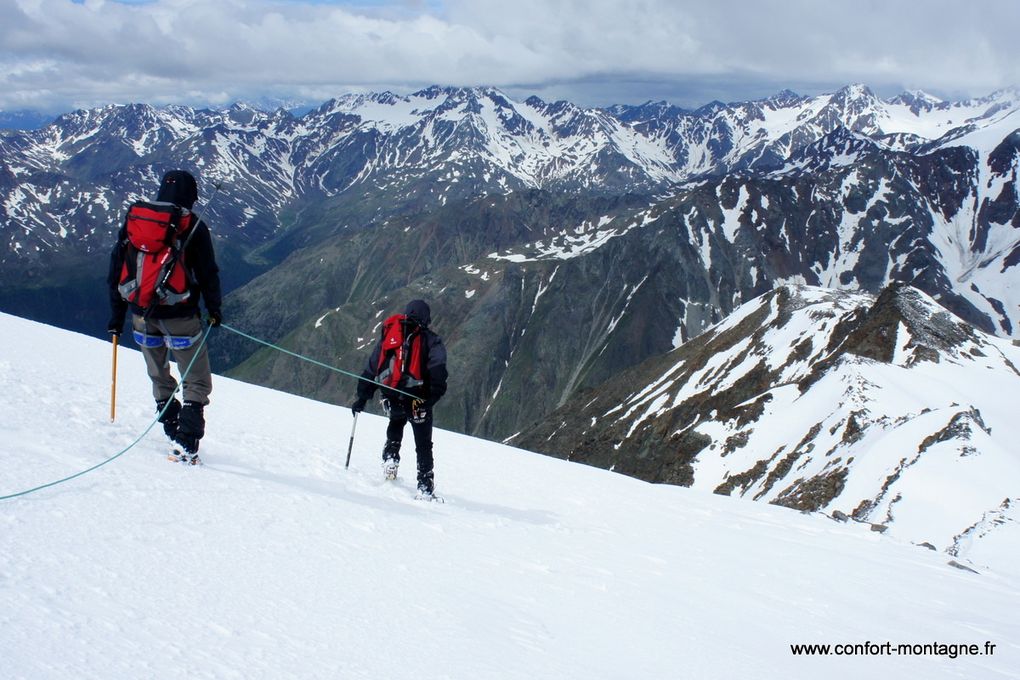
pixel 198 384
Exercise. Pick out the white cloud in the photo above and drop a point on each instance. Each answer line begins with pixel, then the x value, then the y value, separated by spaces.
pixel 58 53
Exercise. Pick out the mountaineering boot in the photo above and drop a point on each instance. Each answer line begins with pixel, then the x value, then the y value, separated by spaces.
pixel 171 417
pixel 179 456
pixel 390 459
pixel 426 485
pixel 190 430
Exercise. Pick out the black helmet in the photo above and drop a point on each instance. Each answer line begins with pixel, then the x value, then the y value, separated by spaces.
pixel 418 311
pixel 178 187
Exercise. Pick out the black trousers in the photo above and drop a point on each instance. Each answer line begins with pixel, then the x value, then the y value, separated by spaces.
pixel 422 441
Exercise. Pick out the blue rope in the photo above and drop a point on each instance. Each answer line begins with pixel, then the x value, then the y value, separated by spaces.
pixel 184 375
pixel 130 446
pixel 317 363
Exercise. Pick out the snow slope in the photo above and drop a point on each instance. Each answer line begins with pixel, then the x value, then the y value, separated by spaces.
pixel 272 561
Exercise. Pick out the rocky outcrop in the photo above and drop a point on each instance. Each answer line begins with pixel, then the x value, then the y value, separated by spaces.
pixel 816 400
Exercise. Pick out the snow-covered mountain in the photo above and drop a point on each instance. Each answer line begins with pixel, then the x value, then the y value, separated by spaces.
pixel 64 184
pixel 844 211
pixel 611 234
pixel 611 283
pixel 272 561
pixel 885 410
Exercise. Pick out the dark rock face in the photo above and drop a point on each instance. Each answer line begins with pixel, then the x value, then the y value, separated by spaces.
pixel 669 442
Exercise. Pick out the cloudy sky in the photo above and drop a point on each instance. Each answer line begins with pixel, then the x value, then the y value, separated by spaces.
pixel 61 54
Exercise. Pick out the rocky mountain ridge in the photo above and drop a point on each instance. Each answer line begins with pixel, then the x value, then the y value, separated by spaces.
pixel 869 408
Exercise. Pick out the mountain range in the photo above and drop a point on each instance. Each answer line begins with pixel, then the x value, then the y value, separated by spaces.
pixel 559 245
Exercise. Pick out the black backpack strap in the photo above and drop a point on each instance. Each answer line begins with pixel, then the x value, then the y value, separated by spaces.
pixel 191 233
pixel 173 227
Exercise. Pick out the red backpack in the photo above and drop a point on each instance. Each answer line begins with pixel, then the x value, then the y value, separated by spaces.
pixel 154 271
pixel 400 358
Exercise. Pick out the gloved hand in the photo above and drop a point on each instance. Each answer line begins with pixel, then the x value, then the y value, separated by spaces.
pixel 215 317
pixel 116 325
pixel 359 405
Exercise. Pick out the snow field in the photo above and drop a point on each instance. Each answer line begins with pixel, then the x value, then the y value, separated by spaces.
pixel 272 561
